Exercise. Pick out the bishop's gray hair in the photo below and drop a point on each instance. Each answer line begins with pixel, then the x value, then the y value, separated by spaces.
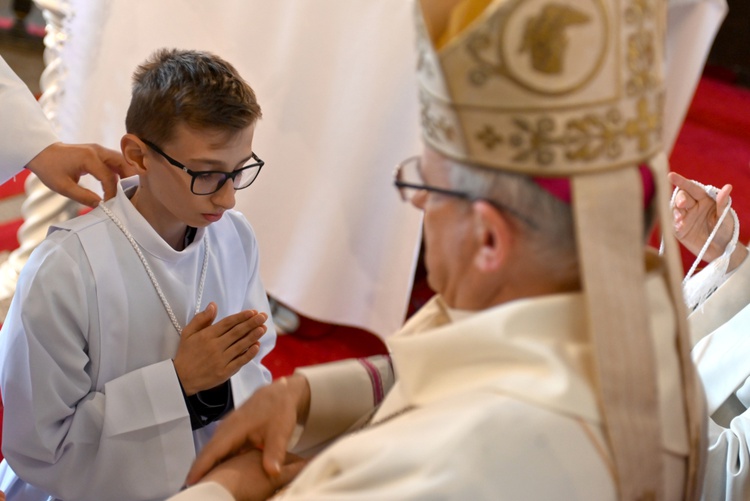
pixel 545 221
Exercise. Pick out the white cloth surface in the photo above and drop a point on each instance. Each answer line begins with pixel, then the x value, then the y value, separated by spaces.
pixel 93 406
pixel 691 28
pixel 502 409
pixel 24 130
pixel 336 84
pixel 721 329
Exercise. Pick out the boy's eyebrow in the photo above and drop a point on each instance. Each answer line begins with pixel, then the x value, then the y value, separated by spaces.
pixel 217 163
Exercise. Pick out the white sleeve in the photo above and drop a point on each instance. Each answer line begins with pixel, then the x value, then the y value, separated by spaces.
pixel 24 130
pixel 130 439
pixel 207 491
pixel 728 465
pixel 253 374
pixel 341 395
pixel 728 300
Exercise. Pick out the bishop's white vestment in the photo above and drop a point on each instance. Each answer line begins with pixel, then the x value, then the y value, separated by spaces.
pixel 498 405
pixel 93 406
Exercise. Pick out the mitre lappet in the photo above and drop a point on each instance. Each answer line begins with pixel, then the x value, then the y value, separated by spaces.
pixel 571 93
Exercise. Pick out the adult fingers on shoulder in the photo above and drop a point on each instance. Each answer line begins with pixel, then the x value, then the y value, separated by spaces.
pixel 115 161
pixel 93 162
pixel 72 190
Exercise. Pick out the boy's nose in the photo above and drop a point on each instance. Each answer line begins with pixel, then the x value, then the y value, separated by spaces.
pixel 224 198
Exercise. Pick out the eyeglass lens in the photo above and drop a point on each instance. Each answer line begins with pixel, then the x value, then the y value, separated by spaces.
pixel 211 182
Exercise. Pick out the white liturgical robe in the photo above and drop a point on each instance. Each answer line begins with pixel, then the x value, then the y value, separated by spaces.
pixel 93 406
pixel 721 331
pixel 495 406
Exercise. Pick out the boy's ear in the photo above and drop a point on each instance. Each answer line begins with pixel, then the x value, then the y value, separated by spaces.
pixel 495 236
pixel 134 151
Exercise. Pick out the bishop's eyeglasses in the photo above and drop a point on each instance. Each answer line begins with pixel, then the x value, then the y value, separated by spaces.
pixel 210 181
pixel 408 180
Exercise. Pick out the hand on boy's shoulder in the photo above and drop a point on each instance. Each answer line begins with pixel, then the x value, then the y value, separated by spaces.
pixel 210 353
pixel 60 166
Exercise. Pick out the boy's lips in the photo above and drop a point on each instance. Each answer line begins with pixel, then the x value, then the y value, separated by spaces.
pixel 212 218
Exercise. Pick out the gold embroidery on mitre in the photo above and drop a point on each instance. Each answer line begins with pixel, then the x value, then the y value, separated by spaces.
pixel 545 38
pixel 506 93
pixel 537 45
pixel 641 49
pixel 489 137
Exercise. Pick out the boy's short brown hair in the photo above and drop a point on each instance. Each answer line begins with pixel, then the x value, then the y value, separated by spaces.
pixel 196 88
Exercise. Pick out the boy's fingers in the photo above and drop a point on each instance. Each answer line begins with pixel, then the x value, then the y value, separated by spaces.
pixel 201 320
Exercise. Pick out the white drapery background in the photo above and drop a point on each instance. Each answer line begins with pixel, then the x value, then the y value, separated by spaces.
pixel 335 79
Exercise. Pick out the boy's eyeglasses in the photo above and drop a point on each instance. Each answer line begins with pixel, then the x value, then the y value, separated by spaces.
pixel 210 181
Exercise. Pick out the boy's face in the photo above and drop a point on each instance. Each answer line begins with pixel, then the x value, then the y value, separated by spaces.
pixel 165 189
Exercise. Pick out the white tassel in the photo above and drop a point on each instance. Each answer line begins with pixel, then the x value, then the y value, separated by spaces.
pixel 697 288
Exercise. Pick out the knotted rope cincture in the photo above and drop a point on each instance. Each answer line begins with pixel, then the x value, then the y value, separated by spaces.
pixel 698 288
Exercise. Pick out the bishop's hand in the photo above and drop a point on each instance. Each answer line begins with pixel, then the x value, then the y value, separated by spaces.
pixel 266 421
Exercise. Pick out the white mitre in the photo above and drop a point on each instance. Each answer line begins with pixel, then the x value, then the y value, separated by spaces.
pixel 545 87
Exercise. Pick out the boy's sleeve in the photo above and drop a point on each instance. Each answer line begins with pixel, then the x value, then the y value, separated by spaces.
pixel 206 491
pixel 254 374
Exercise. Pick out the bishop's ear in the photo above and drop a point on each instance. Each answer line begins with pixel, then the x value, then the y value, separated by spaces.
pixel 134 151
pixel 495 236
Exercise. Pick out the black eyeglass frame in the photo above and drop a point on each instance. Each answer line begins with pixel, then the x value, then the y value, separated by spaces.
pixel 194 174
pixel 400 185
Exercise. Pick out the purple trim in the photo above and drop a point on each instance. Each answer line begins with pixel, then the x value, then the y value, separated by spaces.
pixel 375 379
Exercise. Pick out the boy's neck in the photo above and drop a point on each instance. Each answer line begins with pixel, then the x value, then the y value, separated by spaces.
pixel 174 234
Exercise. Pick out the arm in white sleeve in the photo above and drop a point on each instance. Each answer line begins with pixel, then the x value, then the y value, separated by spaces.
pixel 24 130
pixel 342 394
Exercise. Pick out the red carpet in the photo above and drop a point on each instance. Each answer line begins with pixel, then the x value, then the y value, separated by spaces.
pixel 713 147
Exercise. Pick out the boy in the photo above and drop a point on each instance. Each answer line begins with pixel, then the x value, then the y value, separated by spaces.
pixel 108 396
